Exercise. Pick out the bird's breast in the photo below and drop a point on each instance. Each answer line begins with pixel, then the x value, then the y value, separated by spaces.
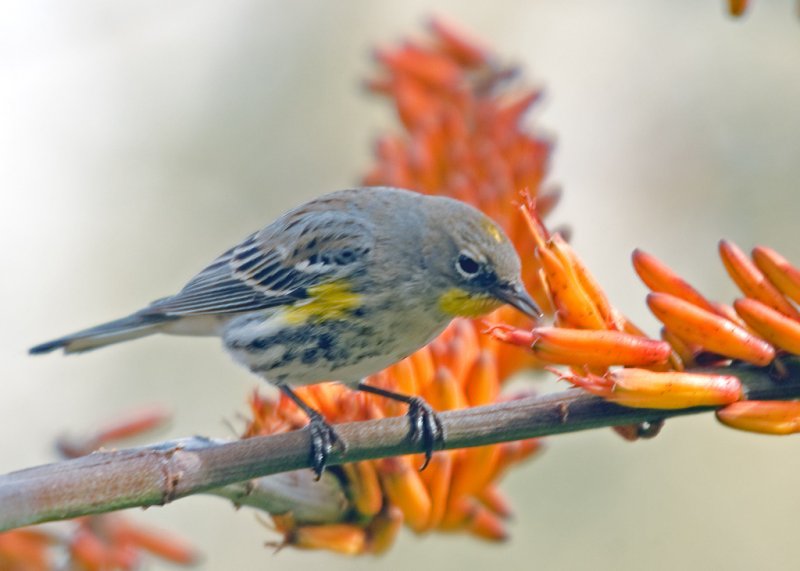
pixel 278 348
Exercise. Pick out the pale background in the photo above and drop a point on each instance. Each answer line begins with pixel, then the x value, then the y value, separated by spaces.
pixel 140 139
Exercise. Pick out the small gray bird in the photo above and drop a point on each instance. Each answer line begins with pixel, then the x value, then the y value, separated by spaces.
pixel 337 289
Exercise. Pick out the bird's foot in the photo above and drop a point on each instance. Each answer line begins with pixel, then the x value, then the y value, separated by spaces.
pixel 426 428
pixel 323 438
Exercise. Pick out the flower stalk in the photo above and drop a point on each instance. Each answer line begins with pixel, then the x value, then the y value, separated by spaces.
pixel 159 474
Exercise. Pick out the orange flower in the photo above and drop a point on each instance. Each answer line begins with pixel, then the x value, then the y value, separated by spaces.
pixel 640 388
pixel 779 271
pixel 766 417
pixel 775 327
pixel 589 348
pixel 25 550
pixel 709 330
pixel 751 281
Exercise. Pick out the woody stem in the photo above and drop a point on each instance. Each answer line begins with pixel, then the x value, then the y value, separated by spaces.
pixel 160 473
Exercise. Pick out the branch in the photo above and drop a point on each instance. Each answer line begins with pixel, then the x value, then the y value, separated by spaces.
pixel 158 474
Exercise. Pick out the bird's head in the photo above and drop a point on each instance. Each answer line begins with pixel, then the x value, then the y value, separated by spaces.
pixel 477 266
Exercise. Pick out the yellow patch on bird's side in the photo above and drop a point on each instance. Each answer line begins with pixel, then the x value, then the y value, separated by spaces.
pixel 461 303
pixel 493 231
pixel 333 300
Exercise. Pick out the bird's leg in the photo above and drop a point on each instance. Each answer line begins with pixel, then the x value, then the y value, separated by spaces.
pixel 426 428
pixel 323 436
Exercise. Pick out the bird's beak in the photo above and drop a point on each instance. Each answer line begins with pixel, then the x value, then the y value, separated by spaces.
pixel 516 296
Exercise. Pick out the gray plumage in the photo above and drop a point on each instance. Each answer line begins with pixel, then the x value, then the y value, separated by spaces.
pixel 398 252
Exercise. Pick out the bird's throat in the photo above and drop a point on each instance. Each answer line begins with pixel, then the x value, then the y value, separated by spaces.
pixel 461 303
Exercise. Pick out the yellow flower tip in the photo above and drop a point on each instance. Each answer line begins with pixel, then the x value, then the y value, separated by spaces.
pixel 709 331
pixel 641 388
pixel 765 417
pixel 751 280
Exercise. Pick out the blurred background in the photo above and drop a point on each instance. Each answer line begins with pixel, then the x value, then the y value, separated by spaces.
pixel 138 140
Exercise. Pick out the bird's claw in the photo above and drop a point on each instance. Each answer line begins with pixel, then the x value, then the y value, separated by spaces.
pixel 426 428
pixel 323 438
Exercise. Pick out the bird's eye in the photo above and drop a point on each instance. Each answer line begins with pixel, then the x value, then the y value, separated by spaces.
pixel 467 266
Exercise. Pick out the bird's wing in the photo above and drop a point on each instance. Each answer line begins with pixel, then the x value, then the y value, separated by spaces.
pixel 277 265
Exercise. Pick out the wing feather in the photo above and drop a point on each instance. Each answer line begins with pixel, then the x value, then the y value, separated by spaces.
pixel 309 246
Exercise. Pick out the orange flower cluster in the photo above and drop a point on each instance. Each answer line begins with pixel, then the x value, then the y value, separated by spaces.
pixel 592 336
pixel 101 542
pixel 456 492
pixel 761 326
pixel 463 139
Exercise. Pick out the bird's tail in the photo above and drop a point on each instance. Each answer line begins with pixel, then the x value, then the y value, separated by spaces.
pixel 131 327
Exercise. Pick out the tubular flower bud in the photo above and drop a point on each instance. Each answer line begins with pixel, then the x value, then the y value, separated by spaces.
pixel 404 488
pixel 575 308
pixel 383 530
pixel 494 499
pixel 683 351
pixel 437 478
pixel 338 537
pixel 770 324
pixel 587 347
pixel 751 281
pixel 365 487
pixel 782 274
pixel 587 283
pixel 660 278
pixel 484 386
pixel 766 417
pixel 640 388
pixel 709 330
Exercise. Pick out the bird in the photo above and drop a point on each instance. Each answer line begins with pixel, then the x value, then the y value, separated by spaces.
pixel 336 289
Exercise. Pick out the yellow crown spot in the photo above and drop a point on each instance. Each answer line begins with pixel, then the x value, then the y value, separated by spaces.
pixel 493 231
pixel 461 303
pixel 329 301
